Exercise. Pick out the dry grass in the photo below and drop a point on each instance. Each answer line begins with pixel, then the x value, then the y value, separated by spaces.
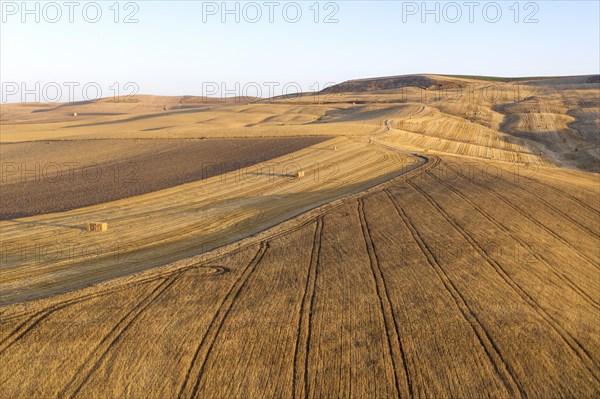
pixel 160 227
pixel 443 308
pixel 378 274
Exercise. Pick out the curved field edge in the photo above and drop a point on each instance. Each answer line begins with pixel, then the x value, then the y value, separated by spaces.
pixel 451 316
pixel 19 284
pixel 289 224
pixel 179 161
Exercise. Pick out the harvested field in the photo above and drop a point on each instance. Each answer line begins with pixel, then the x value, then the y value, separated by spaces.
pixel 56 176
pixel 398 291
pixel 48 254
pixel 384 243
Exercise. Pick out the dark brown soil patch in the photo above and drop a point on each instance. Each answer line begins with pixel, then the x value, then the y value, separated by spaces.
pixel 54 176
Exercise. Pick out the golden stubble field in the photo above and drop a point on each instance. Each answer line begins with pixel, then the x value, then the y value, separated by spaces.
pixel 435 248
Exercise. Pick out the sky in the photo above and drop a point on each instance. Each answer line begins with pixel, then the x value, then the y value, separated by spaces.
pixel 51 51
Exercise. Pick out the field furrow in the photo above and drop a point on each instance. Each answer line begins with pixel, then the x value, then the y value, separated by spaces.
pixel 522 254
pixel 378 274
pixel 300 379
pixel 495 305
pixel 75 332
pixel 571 341
pixel 545 221
pixel 506 374
pixel 99 353
pixel 172 326
pixel 348 341
pixel 193 375
pixel 403 381
pixel 259 337
pixel 416 291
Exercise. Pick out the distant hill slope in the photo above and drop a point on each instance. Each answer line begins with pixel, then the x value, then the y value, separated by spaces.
pixel 394 82
pixel 109 106
pixel 429 82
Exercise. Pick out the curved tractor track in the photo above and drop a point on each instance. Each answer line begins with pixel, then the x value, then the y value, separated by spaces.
pixel 392 292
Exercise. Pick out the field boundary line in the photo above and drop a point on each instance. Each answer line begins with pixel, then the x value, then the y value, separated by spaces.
pixel 503 370
pixel 571 341
pixel 387 311
pixel 305 318
pixel 189 387
pixel 307 217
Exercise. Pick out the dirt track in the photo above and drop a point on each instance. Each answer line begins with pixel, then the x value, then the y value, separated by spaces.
pixel 55 176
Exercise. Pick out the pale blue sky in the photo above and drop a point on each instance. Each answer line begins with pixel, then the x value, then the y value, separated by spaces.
pixel 171 51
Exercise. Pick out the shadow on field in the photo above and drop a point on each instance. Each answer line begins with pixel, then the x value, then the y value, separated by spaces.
pixel 49 224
